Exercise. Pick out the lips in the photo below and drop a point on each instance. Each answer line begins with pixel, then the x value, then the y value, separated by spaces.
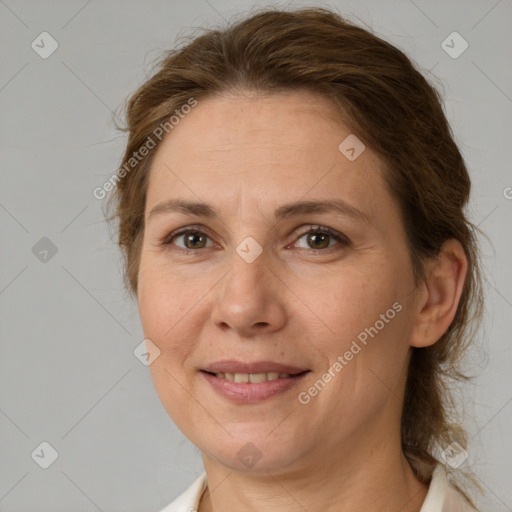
pixel 252 382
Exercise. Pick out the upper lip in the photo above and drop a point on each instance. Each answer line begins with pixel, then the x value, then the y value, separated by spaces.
pixel 231 366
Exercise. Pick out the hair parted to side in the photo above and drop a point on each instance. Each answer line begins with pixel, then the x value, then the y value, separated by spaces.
pixel 390 106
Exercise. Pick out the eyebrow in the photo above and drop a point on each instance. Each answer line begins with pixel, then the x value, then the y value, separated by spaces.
pixel 201 209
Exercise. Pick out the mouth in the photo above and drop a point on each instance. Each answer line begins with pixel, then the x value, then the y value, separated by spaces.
pixel 249 383
pixel 255 378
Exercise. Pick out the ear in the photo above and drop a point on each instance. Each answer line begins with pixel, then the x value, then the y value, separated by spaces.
pixel 439 294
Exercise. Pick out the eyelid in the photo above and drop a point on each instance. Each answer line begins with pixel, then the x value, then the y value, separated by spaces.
pixel 324 229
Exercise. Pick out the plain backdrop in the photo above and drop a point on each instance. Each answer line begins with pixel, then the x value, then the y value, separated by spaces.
pixel 68 373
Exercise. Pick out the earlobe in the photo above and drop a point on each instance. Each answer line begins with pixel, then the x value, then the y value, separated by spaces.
pixel 442 289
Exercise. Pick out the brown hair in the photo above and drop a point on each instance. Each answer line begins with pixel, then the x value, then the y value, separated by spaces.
pixel 389 105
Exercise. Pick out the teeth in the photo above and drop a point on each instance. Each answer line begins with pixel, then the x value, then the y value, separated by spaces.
pixel 252 377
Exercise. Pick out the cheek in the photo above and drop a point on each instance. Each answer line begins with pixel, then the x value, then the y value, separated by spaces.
pixel 172 319
pixel 163 313
pixel 165 309
pixel 352 299
pixel 363 312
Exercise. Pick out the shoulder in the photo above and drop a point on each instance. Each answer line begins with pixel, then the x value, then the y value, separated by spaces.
pixel 188 500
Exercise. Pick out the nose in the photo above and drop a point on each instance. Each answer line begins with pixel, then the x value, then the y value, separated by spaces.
pixel 250 300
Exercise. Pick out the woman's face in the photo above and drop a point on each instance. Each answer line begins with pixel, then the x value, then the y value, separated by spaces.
pixel 250 285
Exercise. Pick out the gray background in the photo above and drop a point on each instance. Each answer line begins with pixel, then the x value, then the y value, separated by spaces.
pixel 68 375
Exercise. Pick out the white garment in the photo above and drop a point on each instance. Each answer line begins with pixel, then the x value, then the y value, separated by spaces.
pixel 441 496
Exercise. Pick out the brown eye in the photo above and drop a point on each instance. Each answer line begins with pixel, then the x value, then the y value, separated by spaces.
pixel 195 240
pixel 190 239
pixel 320 238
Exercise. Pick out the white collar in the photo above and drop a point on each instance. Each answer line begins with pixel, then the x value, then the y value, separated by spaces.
pixel 435 498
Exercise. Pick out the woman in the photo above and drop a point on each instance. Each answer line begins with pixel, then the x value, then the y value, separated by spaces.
pixel 291 212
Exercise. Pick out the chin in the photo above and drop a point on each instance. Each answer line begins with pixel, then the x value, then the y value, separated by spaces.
pixel 253 453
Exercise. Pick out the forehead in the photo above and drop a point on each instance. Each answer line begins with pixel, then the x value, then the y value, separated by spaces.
pixel 264 148
pixel 243 121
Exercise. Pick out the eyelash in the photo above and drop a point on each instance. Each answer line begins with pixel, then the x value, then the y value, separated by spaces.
pixel 342 240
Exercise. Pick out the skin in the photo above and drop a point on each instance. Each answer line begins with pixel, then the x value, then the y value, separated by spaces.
pixel 246 155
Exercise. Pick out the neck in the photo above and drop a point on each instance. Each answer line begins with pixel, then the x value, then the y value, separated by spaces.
pixel 374 478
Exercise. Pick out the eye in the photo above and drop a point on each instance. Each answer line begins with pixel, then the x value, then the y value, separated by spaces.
pixel 191 239
pixel 320 238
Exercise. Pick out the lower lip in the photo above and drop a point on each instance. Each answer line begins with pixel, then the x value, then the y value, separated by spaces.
pixel 248 393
